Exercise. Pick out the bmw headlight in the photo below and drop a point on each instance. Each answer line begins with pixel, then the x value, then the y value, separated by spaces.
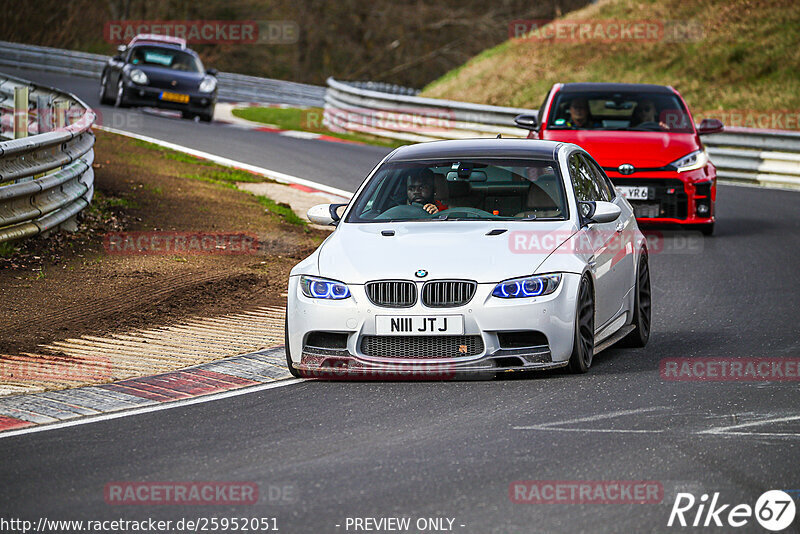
pixel 139 77
pixel 320 288
pixel 696 160
pixel 529 286
pixel 208 84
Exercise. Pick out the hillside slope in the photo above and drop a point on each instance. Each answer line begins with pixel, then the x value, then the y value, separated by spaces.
pixel 746 57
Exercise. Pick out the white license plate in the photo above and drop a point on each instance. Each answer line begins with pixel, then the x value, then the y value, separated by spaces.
pixel 419 325
pixel 633 193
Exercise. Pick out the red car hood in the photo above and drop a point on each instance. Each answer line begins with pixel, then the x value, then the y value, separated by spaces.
pixel 640 149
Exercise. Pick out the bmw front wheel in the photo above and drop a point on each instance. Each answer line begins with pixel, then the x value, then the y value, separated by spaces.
pixel 583 346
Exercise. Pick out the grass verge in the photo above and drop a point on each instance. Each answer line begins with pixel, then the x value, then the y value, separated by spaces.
pixel 307 120
pixel 744 58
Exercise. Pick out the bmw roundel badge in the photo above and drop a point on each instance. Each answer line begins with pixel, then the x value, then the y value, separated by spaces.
pixel 422 273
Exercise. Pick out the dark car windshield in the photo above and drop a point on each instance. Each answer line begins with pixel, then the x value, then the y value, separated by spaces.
pixel 491 189
pixel 169 58
pixel 636 111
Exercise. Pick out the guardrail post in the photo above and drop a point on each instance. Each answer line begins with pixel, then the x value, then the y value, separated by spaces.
pixel 44 115
pixel 60 114
pixel 20 112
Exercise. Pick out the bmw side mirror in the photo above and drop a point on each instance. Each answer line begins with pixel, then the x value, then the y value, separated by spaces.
pixel 599 212
pixel 325 214
pixel 528 122
pixel 709 126
pixel 212 72
pixel 121 49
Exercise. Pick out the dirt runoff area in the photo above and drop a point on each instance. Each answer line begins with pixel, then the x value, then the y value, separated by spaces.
pixel 168 237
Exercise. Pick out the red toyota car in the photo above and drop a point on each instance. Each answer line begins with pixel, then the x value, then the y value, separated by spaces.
pixel 645 139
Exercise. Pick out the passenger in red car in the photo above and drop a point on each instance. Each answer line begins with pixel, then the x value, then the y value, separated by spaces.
pixel 580 116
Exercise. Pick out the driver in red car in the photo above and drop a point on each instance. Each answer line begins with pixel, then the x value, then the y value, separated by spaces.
pixel 420 191
pixel 646 112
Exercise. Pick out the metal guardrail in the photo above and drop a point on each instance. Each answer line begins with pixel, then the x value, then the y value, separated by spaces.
pixel 351 108
pixel 744 155
pixel 234 87
pixel 45 179
pixel 763 157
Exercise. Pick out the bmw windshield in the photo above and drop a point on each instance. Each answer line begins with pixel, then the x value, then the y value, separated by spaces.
pixel 619 110
pixel 489 189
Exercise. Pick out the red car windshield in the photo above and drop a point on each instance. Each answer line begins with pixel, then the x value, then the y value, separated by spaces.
pixel 635 111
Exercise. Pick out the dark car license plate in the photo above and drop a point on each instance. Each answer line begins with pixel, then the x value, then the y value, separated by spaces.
pixel 175 97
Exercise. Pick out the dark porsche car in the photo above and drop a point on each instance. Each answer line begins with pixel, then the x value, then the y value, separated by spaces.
pixel 160 71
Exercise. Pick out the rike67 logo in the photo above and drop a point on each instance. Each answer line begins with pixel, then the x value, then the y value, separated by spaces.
pixel 774 511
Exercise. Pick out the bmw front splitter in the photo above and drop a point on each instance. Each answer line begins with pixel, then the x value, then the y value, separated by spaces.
pixel 342 365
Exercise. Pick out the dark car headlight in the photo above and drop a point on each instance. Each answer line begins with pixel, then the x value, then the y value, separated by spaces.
pixel 528 286
pixel 208 84
pixel 321 288
pixel 138 77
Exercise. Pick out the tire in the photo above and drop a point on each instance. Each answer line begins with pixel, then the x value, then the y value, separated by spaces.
pixel 583 344
pixel 295 372
pixel 187 115
pixel 104 90
pixel 208 116
pixel 707 229
pixel 642 307
pixel 119 101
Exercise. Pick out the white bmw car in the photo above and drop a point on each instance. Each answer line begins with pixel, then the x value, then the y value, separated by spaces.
pixel 477 256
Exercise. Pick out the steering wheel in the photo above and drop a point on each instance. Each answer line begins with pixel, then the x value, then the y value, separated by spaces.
pixel 649 125
pixel 466 210
pixel 404 211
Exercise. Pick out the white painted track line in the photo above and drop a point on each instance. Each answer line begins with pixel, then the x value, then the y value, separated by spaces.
pixel 152 408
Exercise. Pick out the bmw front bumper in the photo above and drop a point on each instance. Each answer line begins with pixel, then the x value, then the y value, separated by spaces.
pixel 494 320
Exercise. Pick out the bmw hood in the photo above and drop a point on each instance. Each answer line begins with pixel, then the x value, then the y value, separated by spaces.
pixel 359 253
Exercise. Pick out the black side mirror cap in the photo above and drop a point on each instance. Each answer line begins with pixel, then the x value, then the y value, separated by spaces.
pixel 528 122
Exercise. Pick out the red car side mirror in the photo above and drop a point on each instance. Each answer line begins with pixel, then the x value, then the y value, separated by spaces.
pixel 709 126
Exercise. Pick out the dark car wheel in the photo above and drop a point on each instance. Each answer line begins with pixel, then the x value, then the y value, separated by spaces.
pixel 295 372
pixel 104 90
pixel 707 229
pixel 642 307
pixel 583 346
pixel 119 101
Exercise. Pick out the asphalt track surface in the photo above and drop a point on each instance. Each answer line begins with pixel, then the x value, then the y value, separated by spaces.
pixel 451 449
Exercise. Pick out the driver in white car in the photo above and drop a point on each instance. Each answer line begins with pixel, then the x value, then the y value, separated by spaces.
pixel 419 188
